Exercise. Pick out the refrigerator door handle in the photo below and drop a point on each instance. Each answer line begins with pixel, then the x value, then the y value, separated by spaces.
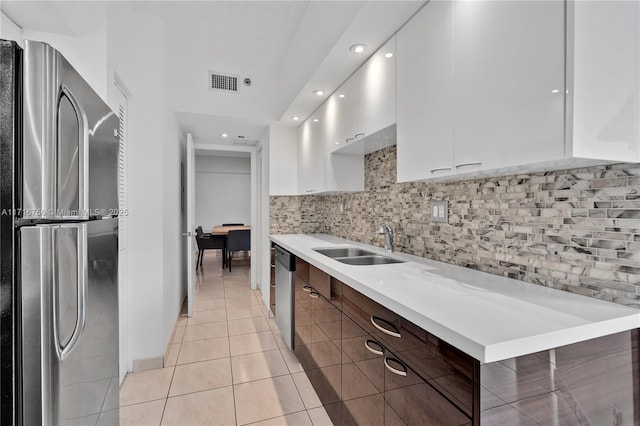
pixel 63 350
pixel 83 161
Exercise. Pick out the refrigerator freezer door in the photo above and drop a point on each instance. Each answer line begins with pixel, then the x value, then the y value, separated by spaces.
pixel 70 142
pixel 70 323
pixel 100 173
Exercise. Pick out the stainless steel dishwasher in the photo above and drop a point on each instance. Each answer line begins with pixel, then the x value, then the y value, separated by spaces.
pixel 285 267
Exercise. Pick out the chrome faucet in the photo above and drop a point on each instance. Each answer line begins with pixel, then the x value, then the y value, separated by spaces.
pixel 388 236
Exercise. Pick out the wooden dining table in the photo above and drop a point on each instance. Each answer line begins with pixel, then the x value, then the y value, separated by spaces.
pixel 224 230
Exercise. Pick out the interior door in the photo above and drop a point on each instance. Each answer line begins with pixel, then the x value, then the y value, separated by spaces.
pixel 189 232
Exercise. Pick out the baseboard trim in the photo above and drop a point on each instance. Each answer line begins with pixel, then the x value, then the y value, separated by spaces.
pixel 147 364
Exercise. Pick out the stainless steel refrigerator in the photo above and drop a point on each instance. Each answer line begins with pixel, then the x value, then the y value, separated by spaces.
pixel 58 243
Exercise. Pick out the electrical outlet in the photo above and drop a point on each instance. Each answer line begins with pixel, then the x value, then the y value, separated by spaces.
pixel 439 211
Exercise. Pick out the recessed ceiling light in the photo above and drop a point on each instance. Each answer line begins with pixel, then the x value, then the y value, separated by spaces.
pixel 341 95
pixel 295 118
pixel 315 120
pixel 224 135
pixel 318 92
pixel 388 55
pixel 555 91
pixel 358 48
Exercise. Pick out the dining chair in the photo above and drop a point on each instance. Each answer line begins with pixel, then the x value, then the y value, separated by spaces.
pixel 237 240
pixel 209 242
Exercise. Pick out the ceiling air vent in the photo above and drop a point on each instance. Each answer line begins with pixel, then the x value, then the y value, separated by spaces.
pixel 226 83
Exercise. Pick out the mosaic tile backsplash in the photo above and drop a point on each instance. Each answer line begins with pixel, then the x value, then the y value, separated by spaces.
pixel 576 230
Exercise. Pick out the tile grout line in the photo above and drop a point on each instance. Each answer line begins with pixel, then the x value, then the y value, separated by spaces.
pixel 166 400
pixel 233 387
pixel 276 417
pixel 226 290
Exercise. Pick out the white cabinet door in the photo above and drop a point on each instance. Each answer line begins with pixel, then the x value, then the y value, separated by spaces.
pixel 508 83
pixel 376 81
pixel 342 106
pixel 366 102
pixel 424 94
pixel 606 80
pixel 311 155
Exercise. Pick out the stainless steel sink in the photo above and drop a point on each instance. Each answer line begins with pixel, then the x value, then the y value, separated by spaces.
pixel 356 256
pixel 344 252
pixel 369 260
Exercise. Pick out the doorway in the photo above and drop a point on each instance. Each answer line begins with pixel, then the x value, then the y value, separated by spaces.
pixel 202 150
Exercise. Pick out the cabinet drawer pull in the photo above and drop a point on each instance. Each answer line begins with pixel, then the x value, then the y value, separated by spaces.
pixel 307 288
pixel 402 372
pixel 475 163
pixel 314 294
pixel 273 265
pixel 358 135
pixel 394 332
pixel 440 169
pixel 349 140
pixel 378 350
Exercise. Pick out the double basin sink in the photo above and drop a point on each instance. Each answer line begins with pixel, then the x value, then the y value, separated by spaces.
pixel 356 256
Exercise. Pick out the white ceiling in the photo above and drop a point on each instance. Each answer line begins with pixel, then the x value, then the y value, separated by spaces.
pixel 287 48
pixel 71 18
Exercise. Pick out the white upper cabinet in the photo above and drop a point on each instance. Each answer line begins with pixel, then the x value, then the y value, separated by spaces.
pixel 361 107
pixel 604 87
pixel 366 102
pixel 424 85
pixel 311 154
pixel 494 87
pixel 376 104
pixel 508 74
pixel 319 170
pixel 342 112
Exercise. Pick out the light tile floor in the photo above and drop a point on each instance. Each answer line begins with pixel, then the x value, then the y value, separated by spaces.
pixel 226 365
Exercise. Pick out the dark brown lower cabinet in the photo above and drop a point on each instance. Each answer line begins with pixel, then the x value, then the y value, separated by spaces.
pixel 302 322
pixel 362 376
pixel 442 367
pixel 318 331
pixel 416 402
pixel 324 348
pixel 369 366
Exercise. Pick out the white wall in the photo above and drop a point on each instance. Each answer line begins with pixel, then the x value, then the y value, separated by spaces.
pixel 223 190
pixel 264 273
pixel 87 52
pixel 283 160
pixel 173 255
pixel 136 52
pixel 9 30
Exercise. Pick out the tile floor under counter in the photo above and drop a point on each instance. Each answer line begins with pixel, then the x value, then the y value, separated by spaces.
pixel 226 365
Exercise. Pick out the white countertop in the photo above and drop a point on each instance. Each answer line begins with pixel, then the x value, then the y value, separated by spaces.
pixel 487 316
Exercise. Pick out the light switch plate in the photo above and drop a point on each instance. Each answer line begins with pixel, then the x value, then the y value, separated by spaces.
pixel 439 211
